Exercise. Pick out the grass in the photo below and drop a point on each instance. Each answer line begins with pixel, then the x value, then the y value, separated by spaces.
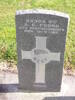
pixel 8 31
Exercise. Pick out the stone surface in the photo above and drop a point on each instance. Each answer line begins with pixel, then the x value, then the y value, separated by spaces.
pixel 41 36
pixel 59 98
pixel 9 89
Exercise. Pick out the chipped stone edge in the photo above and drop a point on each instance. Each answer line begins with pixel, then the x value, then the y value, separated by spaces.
pixel 42 11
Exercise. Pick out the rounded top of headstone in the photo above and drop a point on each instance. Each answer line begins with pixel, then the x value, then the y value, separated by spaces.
pixel 42 11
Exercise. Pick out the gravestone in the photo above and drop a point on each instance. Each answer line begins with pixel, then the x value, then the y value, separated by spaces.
pixel 41 36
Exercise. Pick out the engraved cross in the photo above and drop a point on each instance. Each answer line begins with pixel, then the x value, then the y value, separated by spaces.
pixel 41 56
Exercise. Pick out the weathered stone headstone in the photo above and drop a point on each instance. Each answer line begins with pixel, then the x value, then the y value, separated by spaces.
pixel 41 36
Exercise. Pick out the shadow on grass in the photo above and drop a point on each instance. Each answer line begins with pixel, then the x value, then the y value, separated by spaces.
pixel 4 88
pixel 9 88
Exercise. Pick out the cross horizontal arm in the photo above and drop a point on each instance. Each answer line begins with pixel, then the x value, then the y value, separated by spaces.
pixel 26 54
pixel 54 56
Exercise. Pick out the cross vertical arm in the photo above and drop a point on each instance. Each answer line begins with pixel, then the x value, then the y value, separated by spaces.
pixel 40 73
pixel 41 42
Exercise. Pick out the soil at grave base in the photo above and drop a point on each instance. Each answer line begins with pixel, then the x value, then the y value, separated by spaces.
pixel 8 67
pixel 11 67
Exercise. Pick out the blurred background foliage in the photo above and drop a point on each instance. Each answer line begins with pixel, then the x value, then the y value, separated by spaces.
pixel 8 31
